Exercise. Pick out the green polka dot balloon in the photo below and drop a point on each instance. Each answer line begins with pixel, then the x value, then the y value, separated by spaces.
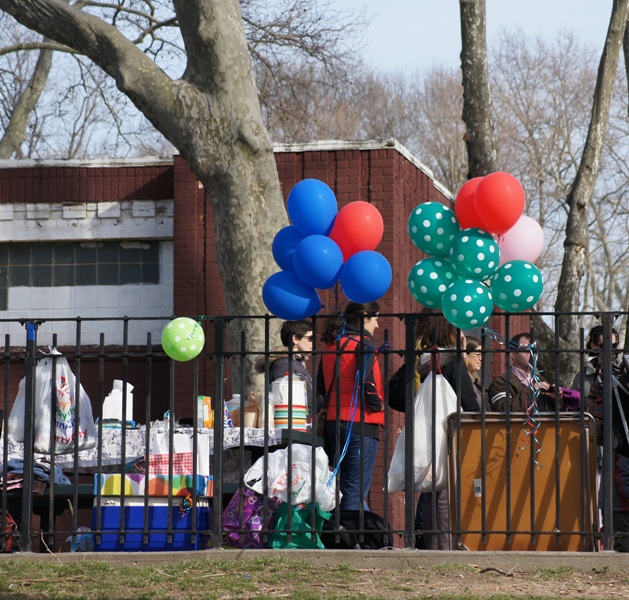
pixel 467 304
pixel 183 339
pixel 517 285
pixel 474 254
pixel 429 279
pixel 432 226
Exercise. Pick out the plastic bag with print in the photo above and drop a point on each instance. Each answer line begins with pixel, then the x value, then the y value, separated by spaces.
pixel 304 487
pixel 55 392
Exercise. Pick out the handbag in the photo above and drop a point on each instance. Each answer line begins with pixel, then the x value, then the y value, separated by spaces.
pixel 446 403
pixel 247 534
pixel 302 531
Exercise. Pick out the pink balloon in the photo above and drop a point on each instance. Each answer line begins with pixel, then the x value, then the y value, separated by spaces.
pixel 524 241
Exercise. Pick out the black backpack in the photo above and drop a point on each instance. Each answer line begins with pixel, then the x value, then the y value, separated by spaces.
pixel 377 534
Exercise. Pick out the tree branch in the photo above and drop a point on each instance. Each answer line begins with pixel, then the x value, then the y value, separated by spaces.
pixel 149 88
pixel 15 132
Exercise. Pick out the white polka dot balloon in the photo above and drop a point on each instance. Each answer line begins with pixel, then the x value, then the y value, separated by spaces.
pixel 429 279
pixel 183 339
pixel 467 304
pixel 474 254
pixel 432 226
pixel 517 285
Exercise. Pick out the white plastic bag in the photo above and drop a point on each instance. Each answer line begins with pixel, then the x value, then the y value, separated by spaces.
pixel 64 405
pixel 422 451
pixel 301 490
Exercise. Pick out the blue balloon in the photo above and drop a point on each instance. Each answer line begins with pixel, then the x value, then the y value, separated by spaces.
pixel 284 244
pixel 318 261
pixel 288 297
pixel 366 276
pixel 312 207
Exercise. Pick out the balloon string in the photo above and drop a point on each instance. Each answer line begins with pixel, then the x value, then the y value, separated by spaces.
pixel 529 436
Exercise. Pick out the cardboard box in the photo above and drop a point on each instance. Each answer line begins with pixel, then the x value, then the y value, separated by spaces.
pixel 161 517
pixel 109 484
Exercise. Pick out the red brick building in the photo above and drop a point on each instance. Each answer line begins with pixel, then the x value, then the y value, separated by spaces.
pixel 146 204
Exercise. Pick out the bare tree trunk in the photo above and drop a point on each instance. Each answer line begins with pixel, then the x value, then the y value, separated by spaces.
pixel 15 133
pixel 580 196
pixel 625 51
pixel 477 107
pixel 211 115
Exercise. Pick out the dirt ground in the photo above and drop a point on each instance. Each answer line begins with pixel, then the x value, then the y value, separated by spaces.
pixel 311 575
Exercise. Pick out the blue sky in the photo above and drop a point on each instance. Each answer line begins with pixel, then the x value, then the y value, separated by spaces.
pixel 419 34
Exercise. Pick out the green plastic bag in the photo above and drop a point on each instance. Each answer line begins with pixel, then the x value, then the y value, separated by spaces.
pixel 300 526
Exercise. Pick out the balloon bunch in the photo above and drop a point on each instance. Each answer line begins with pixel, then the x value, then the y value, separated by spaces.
pixel 479 255
pixel 323 246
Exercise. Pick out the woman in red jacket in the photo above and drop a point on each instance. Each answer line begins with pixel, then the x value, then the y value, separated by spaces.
pixel 350 381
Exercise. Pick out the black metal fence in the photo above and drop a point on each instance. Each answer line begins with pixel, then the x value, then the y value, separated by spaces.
pixel 521 481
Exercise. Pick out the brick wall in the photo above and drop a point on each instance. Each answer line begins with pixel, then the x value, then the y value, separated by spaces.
pixel 384 175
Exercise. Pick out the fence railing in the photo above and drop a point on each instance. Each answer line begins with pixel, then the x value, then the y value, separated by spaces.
pixel 513 480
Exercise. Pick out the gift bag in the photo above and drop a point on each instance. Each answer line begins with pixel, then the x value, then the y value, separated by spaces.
pixel 301 527
pixel 182 460
pixel 254 519
pixel 422 451
pixel 58 397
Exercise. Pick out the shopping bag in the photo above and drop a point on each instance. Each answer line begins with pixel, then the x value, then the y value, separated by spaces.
pixel 247 534
pixel 422 447
pixel 56 396
pixel 304 488
pixel 302 529
pixel 182 460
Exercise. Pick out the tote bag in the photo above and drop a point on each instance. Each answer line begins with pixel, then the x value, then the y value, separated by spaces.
pixel 422 459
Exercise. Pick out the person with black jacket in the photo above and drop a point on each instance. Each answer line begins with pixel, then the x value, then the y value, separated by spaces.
pixel 298 337
pixel 521 385
pixel 435 335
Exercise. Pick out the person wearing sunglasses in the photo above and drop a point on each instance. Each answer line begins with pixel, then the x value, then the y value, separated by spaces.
pixel 474 361
pixel 522 384
pixel 298 337
pixel 583 380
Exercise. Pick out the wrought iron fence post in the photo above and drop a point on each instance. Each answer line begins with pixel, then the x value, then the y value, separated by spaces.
pixel 29 401
pixel 608 453
pixel 409 429
pixel 217 467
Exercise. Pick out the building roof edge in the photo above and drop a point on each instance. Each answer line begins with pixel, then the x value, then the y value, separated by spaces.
pixel 391 143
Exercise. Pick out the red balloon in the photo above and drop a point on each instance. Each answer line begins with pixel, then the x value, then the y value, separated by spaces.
pixel 464 205
pixel 499 202
pixel 358 226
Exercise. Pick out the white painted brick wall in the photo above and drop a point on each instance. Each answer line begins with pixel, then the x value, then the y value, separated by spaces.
pixel 148 219
pixel 46 222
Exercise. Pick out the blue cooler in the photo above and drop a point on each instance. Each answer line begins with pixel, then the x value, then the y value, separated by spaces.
pixel 160 518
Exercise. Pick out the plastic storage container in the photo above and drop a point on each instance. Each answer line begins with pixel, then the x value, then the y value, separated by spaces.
pixel 160 518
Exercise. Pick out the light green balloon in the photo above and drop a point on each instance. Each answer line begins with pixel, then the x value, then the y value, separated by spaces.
pixel 474 254
pixel 183 339
pixel 429 279
pixel 467 304
pixel 517 285
pixel 432 226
